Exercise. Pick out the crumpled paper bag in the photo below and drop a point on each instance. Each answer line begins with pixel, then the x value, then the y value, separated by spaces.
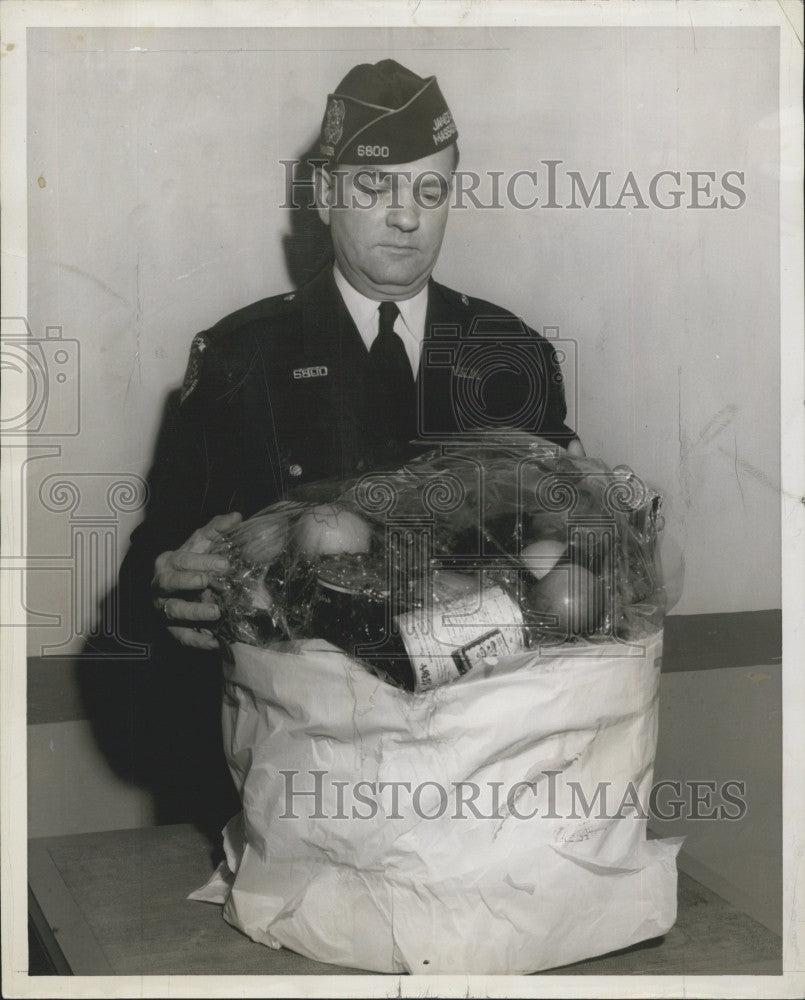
pixel 402 859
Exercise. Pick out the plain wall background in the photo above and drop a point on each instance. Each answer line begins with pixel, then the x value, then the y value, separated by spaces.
pixel 154 194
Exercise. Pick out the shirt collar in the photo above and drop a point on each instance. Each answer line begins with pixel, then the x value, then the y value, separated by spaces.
pixel 363 311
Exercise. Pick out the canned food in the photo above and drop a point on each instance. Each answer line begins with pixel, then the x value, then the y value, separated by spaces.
pixel 351 609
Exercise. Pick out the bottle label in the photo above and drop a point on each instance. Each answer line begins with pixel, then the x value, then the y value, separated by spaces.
pixel 447 640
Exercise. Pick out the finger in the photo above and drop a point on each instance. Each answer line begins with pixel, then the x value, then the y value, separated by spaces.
pixel 197 639
pixel 174 571
pixel 223 522
pixel 216 585
pixel 171 583
pixel 197 562
pixel 167 584
pixel 171 577
pixel 213 530
pixel 176 610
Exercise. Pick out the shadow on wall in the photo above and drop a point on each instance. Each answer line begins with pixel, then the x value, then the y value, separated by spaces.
pixel 157 720
pixel 307 246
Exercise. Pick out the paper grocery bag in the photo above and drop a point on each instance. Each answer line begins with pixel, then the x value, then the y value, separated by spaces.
pixel 492 825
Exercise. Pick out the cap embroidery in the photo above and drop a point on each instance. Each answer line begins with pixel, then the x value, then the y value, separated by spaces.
pixel 334 121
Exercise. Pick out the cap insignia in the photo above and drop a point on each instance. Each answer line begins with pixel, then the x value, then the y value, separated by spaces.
pixel 334 121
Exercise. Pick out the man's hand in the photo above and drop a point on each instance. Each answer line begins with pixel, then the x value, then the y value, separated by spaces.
pixel 181 576
pixel 576 448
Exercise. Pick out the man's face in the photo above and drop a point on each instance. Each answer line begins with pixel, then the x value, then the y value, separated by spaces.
pixel 387 222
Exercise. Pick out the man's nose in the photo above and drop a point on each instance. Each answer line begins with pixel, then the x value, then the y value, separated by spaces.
pixel 404 215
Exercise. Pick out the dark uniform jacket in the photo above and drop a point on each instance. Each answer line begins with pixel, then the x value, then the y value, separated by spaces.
pixel 276 395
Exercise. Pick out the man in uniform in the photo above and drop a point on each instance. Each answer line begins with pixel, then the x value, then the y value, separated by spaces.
pixel 344 374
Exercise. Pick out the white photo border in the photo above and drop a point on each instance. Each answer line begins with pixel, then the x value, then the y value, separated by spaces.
pixel 16 18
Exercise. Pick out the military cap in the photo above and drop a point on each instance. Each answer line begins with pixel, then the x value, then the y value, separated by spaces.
pixel 384 113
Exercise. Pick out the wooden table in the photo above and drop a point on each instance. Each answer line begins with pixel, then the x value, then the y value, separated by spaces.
pixel 115 903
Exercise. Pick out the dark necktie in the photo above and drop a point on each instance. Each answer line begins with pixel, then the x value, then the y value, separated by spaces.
pixel 389 359
pixel 393 379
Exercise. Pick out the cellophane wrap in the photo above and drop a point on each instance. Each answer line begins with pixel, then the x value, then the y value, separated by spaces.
pixel 571 543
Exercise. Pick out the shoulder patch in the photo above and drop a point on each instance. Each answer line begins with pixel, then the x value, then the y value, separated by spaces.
pixel 191 375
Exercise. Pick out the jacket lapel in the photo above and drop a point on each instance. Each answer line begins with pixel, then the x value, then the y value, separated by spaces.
pixel 331 338
pixel 436 383
pixel 329 335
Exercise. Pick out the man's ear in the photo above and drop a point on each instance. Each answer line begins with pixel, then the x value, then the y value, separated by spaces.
pixel 323 189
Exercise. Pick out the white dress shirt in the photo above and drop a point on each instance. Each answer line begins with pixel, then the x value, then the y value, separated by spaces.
pixel 365 313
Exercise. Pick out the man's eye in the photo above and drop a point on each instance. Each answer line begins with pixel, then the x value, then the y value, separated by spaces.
pixel 430 196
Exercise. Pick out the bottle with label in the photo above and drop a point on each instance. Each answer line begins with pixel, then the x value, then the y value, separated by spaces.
pixel 446 639
pixel 440 631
